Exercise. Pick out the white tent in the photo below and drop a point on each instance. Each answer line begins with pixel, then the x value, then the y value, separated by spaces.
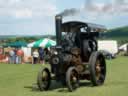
pixel 123 47
pixel 27 51
pixel 108 45
pixel 42 43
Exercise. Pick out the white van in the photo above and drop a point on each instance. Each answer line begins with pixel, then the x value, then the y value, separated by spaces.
pixel 108 45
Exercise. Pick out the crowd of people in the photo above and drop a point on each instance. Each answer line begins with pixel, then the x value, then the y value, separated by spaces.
pixel 16 56
pixel 13 56
pixel 40 55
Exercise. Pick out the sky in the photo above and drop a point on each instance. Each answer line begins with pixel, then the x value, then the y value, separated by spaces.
pixel 36 17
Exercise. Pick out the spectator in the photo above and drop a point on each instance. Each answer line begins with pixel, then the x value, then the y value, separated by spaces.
pixel 19 54
pixel 41 55
pixel 5 59
pixel 11 56
pixel 46 54
pixel 35 56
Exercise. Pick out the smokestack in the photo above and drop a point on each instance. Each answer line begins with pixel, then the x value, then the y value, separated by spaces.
pixel 58 24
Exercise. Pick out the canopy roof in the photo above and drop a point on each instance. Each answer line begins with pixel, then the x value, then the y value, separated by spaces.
pixel 77 25
pixel 16 44
pixel 45 42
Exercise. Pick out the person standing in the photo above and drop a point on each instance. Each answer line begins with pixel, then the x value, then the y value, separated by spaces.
pixel 35 56
pixel 16 60
pixel 20 55
pixel 5 59
pixel 41 55
pixel 46 54
pixel 11 56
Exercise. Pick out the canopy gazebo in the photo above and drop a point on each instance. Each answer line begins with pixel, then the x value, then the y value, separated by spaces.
pixel 45 43
pixel 16 44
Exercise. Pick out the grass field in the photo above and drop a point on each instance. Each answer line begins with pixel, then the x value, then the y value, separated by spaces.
pixel 17 80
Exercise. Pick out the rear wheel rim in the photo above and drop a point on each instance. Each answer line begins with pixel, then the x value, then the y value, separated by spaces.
pixel 100 70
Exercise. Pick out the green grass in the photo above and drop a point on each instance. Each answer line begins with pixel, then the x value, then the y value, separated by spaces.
pixel 17 80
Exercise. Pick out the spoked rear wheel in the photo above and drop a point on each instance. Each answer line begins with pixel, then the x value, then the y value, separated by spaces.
pixel 44 79
pixel 72 79
pixel 97 68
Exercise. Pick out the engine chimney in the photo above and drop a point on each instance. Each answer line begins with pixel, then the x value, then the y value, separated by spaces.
pixel 58 24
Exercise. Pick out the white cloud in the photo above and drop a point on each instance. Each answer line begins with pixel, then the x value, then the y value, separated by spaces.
pixel 27 17
pixel 28 8
pixel 23 13
pixel 95 11
pixel 114 7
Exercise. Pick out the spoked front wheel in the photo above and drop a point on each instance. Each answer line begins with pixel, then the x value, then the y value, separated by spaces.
pixel 72 79
pixel 44 79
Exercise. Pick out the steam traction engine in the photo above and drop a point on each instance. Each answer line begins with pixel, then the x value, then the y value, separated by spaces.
pixel 76 56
